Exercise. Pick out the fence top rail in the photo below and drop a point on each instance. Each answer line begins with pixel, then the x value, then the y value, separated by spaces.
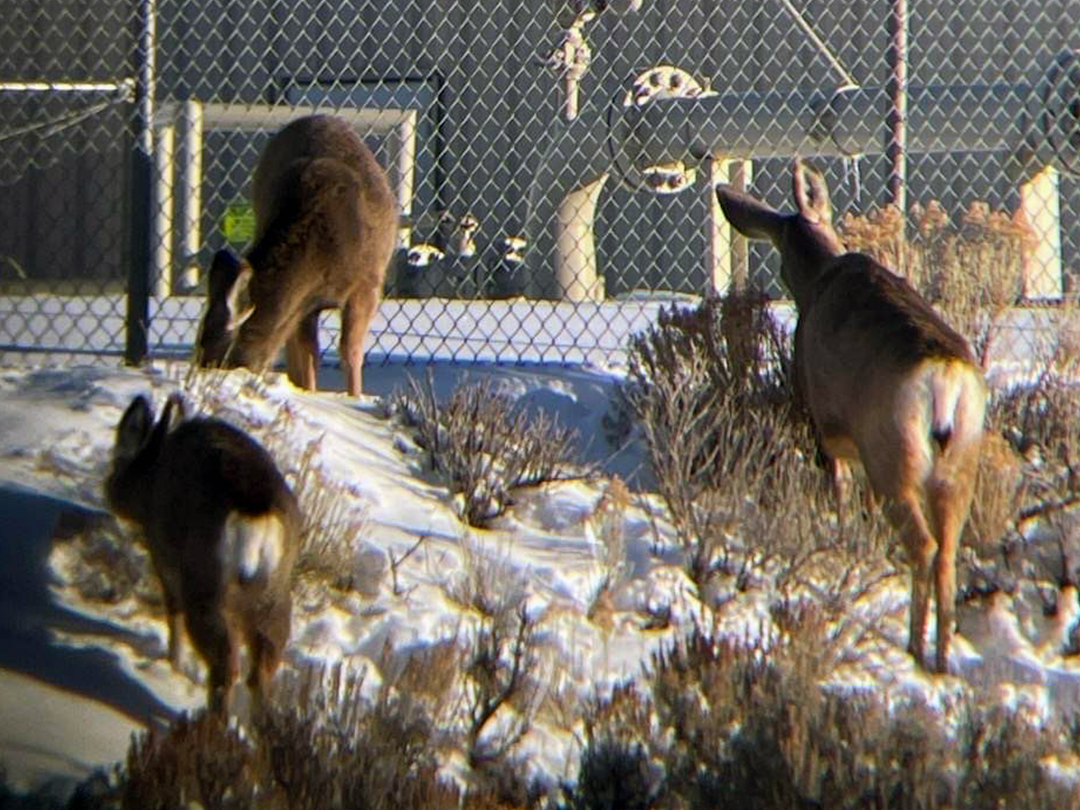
pixel 256 117
pixel 31 86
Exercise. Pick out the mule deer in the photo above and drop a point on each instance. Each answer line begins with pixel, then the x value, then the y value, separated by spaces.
pixel 221 525
pixel 888 383
pixel 325 228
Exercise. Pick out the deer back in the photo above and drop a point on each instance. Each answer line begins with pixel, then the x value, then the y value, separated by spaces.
pixel 325 227
pixel 189 484
pixel 869 349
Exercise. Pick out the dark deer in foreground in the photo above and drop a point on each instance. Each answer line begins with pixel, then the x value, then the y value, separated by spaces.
pixel 222 528
pixel 888 384
pixel 325 228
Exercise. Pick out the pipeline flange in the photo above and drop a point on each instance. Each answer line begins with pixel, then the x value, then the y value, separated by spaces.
pixel 665 82
pixel 1058 121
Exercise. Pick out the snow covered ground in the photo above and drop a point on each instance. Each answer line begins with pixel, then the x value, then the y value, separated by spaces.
pixel 78 677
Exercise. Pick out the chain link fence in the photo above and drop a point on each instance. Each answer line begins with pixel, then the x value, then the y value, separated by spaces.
pixel 553 160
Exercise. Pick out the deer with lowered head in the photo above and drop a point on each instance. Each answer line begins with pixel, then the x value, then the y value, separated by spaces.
pixel 325 227
pixel 887 382
pixel 222 528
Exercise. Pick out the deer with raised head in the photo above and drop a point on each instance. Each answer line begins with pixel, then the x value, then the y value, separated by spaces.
pixel 222 528
pixel 325 227
pixel 887 382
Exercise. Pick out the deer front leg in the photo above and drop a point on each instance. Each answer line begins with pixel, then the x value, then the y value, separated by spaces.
pixel 176 638
pixel 302 352
pixel 356 317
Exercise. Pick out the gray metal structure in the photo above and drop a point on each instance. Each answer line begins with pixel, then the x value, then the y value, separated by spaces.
pixel 128 132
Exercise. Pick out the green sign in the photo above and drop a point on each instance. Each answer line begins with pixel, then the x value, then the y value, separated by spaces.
pixel 238 224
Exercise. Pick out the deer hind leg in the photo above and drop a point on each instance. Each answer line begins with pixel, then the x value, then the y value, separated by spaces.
pixel 174 614
pixel 842 483
pixel 302 352
pixel 906 514
pixel 213 638
pixel 949 505
pixel 267 634
pixel 839 452
pixel 176 637
pixel 356 318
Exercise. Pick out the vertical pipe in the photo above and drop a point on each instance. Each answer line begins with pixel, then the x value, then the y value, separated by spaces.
pixel 141 188
pixel 1040 210
pixel 164 208
pixel 570 110
pixel 575 250
pixel 727 256
pixel 191 121
pixel 405 133
pixel 896 149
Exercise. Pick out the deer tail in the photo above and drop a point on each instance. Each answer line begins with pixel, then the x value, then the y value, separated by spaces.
pixel 253 546
pixel 958 397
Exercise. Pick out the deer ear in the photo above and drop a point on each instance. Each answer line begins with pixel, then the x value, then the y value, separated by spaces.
pixel 811 193
pixel 238 298
pixel 748 215
pixel 174 412
pixel 134 428
pixel 228 281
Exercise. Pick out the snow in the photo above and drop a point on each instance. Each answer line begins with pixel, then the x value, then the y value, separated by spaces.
pixel 77 676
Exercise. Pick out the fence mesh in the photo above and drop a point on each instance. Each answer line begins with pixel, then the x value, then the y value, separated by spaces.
pixel 554 161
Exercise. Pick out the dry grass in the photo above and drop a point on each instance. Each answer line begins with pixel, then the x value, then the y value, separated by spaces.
pixel 1000 492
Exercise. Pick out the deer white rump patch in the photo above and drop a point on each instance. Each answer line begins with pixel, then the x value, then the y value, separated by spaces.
pixel 944 401
pixel 252 545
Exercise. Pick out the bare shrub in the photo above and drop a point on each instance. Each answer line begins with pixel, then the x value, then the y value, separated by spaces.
pixel 485 444
pixel 323 746
pixel 378 753
pixel 501 659
pixel 728 724
pixel 1004 754
pixel 499 672
pixel 755 729
pixel 613 775
pixel 999 493
pixel 335 523
pixel 502 655
pixel 1043 420
pixel 729 447
pixel 426 676
pixel 108 568
pixel 198 759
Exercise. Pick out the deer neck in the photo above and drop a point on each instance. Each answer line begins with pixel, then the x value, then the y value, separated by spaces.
pixel 128 491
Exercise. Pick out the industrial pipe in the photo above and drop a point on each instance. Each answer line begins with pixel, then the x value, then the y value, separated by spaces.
pixel 1039 125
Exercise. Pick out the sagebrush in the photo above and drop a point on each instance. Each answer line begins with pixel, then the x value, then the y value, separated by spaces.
pixel 485 444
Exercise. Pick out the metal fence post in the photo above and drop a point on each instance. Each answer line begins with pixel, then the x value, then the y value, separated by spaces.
pixel 141 189
pixel 897 146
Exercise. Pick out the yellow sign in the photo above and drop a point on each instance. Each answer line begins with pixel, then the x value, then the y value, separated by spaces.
pixel 238 224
